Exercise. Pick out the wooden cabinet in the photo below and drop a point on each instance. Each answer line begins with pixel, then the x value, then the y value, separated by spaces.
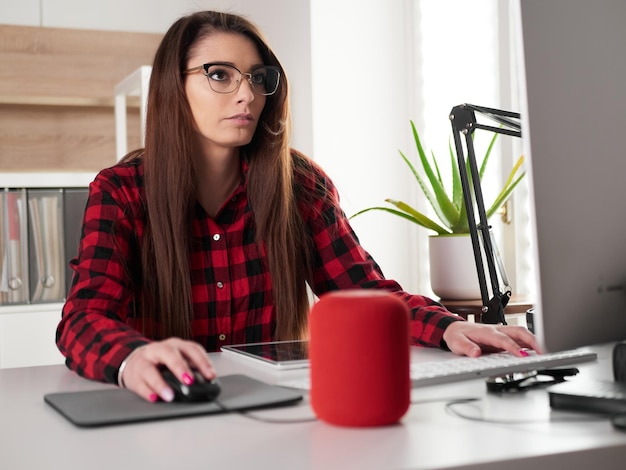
pixel 57 95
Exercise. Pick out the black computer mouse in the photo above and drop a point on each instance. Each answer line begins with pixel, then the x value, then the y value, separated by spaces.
pixel 201 390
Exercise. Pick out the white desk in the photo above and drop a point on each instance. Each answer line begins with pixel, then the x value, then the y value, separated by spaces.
pixel 34 436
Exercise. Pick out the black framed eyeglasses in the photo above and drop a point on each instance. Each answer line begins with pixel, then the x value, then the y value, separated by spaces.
pixel 226 78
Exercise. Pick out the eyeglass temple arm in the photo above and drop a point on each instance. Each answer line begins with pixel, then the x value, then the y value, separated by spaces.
pixel 463 119
pixel 194 69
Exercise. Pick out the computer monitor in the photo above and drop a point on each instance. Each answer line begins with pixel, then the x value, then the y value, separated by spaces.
pixel 574 134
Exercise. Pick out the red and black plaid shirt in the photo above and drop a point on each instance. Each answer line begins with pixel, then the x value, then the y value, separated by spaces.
pixel 231 285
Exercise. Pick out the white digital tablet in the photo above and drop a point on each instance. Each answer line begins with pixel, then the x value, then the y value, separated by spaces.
pixel 278 354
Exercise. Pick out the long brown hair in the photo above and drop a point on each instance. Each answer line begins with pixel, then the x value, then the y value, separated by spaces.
pixel 170 186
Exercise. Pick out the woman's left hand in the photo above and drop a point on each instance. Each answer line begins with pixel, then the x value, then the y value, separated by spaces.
pixel 472 339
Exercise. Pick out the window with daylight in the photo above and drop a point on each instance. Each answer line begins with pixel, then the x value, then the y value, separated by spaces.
pixel 464 53
pixel 376 65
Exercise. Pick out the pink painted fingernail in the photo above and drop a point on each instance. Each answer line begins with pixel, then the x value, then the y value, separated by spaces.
pixel 187 379
pixel 167 394
pixel 524 353
pixel 153 397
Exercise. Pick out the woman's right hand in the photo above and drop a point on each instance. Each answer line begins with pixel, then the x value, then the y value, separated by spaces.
pixel 142 375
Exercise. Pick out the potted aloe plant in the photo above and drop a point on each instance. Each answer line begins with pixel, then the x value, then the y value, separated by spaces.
pixel 450 277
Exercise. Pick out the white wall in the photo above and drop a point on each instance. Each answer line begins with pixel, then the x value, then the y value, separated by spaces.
pixel 362 87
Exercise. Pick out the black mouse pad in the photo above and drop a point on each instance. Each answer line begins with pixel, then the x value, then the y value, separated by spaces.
pixel 117 406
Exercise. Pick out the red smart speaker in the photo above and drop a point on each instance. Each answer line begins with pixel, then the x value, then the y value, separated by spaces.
pixel 359 358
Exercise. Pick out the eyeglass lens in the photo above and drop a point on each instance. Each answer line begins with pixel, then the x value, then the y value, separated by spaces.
pixel 226 79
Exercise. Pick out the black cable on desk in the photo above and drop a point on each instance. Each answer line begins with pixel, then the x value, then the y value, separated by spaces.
pixel 262 419
pixel 452 407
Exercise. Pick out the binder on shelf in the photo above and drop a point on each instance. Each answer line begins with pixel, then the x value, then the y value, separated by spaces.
pixel 46 245
pixel 74 203
pixel 3 267
pixel 14 269
pixel 40 231
pixel 4 287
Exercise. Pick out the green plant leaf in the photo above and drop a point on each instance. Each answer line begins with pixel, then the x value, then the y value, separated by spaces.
pixel 503 196
pixel 483 165
pixel 462 226
pixel 457 190
pixel 516 167
pixel 444 207
pixel 430 197
pixel 439 178
pixel 450 210
pixel 419 218
pixel 412 216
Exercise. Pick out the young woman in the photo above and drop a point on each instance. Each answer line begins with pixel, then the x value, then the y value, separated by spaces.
pixel 211 233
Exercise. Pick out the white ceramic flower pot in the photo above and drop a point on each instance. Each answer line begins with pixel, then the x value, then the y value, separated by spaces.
pixel 452 267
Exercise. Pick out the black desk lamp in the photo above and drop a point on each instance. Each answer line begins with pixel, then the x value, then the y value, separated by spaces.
pixel 463 118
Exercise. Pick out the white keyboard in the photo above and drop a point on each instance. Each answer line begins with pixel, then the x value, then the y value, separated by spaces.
pixel 487 365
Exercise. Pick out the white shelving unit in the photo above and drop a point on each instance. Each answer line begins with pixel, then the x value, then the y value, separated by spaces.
pixel 135 84
pixel 27 331
pixel 46 180
pixel 27 335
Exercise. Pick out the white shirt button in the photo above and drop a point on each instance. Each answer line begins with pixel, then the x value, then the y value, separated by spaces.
pixel 222 337
pixel 220 284
pixel 216 237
